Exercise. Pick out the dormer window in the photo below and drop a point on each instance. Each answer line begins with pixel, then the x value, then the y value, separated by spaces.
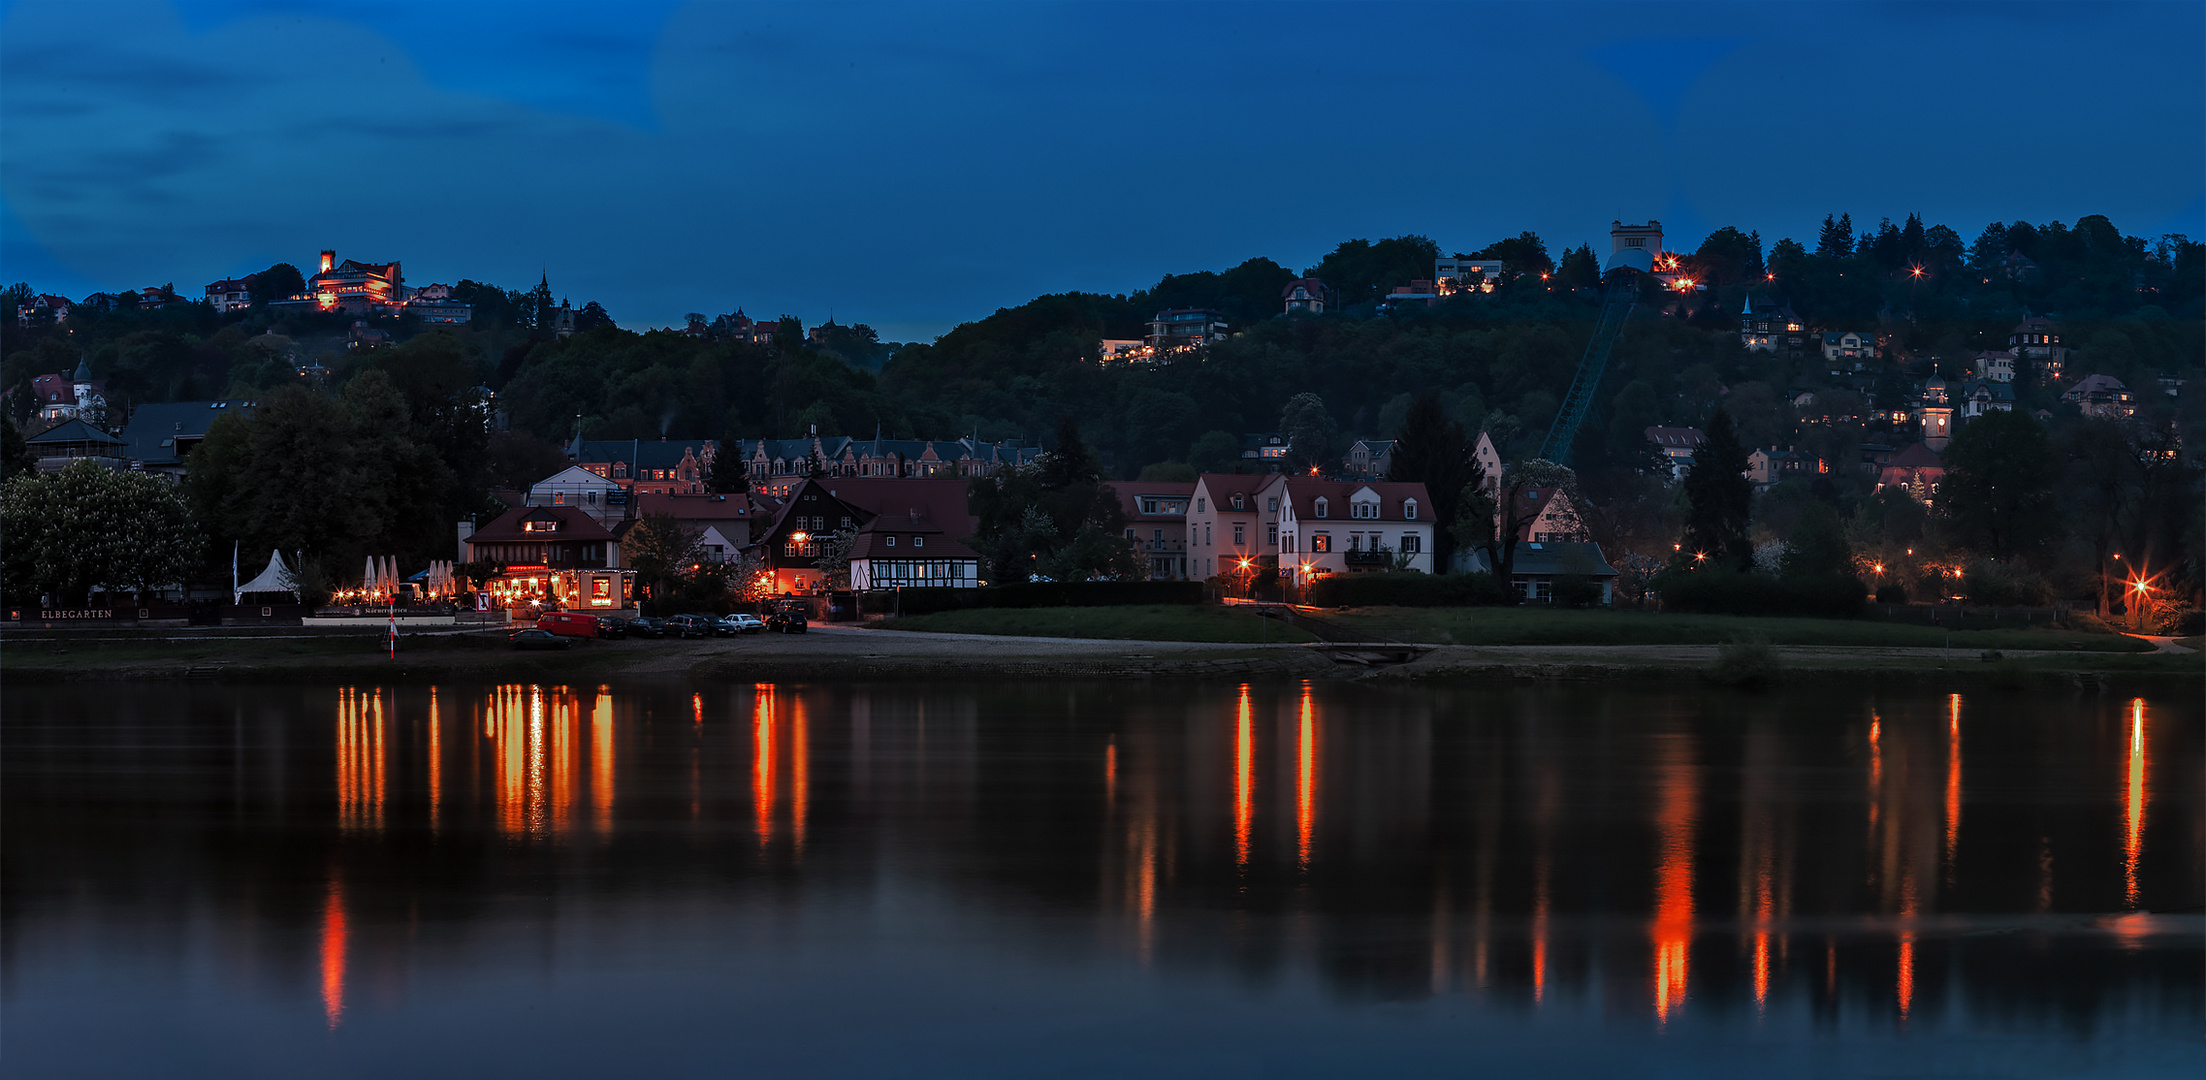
pixel 540 525
pixel 1320 507
pixel 889 541
pixel 919 541
pixel 1367 511
pixel 1409 509
pixel 1237 500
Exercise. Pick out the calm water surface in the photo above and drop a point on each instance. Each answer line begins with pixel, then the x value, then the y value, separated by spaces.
pixel 1150 879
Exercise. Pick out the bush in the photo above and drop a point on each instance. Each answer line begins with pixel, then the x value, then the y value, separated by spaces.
pixel 1750 662
pixel 1892 593
pixel 1998 584
pixel 1408 590
pixel 1731 592
pixel 1037 594
pixel 2179 622
pixel 2089 623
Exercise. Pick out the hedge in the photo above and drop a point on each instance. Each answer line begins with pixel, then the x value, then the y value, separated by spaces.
pixel 1406 590
pixel 1728 592
pixel 1036 594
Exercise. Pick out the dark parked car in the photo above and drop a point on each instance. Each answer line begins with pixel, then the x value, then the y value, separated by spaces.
pixel 646 626
pixel 539 639
pixel 612 626
pixel 689 626
pixel 786 622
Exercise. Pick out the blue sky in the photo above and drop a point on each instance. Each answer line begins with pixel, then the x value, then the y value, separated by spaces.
pixel 917 165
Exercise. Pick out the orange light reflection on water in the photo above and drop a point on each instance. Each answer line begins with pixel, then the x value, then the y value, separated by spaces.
pixel 333 941
pixel 1306 779
pixel 1677 795
pixel 800 772
pixel 601 761
pixel 436 764
pixel 2133 802
pixel 1244 777
pixel 1953 779
pixel 762 764
pixel 361 757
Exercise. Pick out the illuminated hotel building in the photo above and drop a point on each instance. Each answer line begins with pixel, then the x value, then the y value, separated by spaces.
pixel 358 288
pixel 555 556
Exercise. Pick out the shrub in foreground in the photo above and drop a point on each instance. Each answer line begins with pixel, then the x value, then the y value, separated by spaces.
pixel 1717 591
pixel 1407 590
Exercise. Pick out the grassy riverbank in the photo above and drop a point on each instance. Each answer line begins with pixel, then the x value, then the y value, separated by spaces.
pixel 1506 626
pixel 1158 622
pixel 1548 626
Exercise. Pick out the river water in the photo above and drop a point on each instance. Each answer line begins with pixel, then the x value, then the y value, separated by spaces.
pixel 1125 879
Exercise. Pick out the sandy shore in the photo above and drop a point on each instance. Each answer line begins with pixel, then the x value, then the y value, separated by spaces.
pixel 845 654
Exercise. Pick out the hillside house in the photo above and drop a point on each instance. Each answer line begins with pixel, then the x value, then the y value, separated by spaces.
pixel 1350 526
pixel 1156 521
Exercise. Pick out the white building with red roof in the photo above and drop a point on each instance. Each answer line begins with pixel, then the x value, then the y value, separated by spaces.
pixel 1353 526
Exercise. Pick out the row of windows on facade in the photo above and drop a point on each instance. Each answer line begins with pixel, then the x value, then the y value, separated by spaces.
pixel 511 554
pixel 619 471
pixel 1365 509
pixel 1319 542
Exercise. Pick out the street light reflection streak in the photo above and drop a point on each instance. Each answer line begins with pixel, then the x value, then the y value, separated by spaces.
pixel 334 935
pixel 1244 777
pixel 601 761
pixel 1953 779
pixel 1677 792
pixel 436 765
pixel 762 764
pixel 2133 809
pixel 800 772
pixel 1306 779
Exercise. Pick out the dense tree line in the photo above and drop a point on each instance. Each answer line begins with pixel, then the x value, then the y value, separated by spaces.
pixel 1496 362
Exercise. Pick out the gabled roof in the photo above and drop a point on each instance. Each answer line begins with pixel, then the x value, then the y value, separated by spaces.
pixel 1549 558
pixel 1917 456
pixel 698 508
pixel 1677 436
pixel 1303 493
pixel 1131 492
pixel 1219 485
pixel 575 523
pixel 154 430
pixel 640 453
pixel 2094 384
pixel 575 474
pixel 73 433
pixel 935 509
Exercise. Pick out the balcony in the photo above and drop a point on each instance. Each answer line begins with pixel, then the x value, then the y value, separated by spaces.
pixel 1359 557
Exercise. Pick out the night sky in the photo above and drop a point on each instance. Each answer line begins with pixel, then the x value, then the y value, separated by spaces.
pixel 914 166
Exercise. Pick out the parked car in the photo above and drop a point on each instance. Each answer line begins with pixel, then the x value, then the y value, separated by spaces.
pixel 612 626
pixel 786 622
pixel 570 623
pixel 689 626
pixel 740 623
pixel 539 639
pixel 647 626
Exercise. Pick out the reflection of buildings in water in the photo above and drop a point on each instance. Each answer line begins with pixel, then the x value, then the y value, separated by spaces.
pixel 1767 835
pixel 1506 857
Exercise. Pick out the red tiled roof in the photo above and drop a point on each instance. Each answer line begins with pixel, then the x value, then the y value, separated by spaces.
pixel 1917 456
pixel 574 524
pixel 1303 493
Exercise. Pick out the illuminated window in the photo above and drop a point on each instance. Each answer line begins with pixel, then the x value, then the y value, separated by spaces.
pixel 1320 542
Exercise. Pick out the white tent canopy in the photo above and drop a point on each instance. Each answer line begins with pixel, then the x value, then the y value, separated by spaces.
pixel 277 578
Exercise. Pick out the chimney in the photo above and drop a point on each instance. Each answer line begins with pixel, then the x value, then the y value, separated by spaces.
pixel 466 529
pixel 329 261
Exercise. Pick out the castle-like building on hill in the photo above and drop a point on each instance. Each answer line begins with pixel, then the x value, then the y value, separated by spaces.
pixel 362 288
